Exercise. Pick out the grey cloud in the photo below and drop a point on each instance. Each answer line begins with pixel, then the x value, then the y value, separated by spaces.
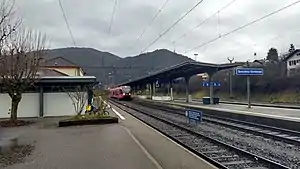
pixel 90 20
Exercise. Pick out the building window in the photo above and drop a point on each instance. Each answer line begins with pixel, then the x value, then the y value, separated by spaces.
pixel 290 63
pixel 294 62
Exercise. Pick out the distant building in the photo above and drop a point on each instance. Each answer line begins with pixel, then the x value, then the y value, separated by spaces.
pixel 293 63
pixel 60 66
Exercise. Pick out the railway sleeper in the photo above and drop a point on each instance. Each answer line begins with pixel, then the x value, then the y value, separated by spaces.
pixel 223 159
pixel 283 135
pixel 230 163
pixel 293 137
pixel 214 152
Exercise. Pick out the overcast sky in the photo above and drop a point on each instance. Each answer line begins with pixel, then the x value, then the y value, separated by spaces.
pixel 90 19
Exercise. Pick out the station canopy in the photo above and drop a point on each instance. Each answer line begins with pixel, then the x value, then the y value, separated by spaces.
pixel 185 69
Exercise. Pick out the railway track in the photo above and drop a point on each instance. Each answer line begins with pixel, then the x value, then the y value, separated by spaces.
pixel 219 153
pixel 278 134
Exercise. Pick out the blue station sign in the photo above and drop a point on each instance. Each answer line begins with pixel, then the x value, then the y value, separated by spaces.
pixel 207 84
pixel 194 115
pixel 249 71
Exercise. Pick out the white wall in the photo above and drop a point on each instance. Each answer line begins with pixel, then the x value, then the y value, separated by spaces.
pixel 295 57
pixel 55 104
pixel 28 107
pixel 58 104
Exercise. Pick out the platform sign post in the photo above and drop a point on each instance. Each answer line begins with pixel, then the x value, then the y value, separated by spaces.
pixel 249 72
pixel 194 116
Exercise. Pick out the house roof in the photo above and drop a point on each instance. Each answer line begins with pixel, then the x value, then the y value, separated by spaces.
pixel 291 54
pixel 67 79
pixel 59 62
pixel 50 72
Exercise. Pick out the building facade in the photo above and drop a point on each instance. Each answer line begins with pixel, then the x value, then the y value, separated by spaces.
pixel 293 63
pixel 50 95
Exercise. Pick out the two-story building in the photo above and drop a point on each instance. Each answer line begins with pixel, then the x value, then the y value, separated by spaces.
pixel 293 63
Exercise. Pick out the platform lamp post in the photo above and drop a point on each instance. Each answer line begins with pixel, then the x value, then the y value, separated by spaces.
pixel 249 86
pixel 196 54
pixel 230 78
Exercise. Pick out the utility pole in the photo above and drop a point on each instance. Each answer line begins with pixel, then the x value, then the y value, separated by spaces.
pixel 230 78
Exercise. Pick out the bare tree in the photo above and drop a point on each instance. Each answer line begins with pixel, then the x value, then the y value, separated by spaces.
pixel 79 99
pixel 8 20
pixel 20 55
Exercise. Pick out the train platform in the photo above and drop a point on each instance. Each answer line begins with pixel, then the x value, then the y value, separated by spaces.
pixel 147 148
pixel 269 112
pixel 127 145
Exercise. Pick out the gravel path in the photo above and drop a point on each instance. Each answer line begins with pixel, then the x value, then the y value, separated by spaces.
pixel 280 152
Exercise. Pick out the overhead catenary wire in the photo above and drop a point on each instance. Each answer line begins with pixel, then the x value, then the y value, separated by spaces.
pixel 153 19
pixel 244 26
pixel 204 21
pixel 173 25
pixel 112 16
pixel 67 23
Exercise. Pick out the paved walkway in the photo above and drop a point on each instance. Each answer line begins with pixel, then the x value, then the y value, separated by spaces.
pixel 88 147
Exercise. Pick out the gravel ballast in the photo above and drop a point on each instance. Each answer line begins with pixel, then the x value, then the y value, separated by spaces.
pixel 195 142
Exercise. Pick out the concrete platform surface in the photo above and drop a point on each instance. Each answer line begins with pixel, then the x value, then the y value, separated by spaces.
pixel 271 112
pixel 127 145
pixel 85 147
pixel 168 154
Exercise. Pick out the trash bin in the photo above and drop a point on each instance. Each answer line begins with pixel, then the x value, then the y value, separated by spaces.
pixel 190 98
pixel 206 100
pixel 216 100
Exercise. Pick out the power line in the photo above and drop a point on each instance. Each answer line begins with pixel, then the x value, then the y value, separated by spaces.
pixel 173 25
pixel 153 19
pixel 244 26
pixel 203 22
pixel 66 21
pixel 112 16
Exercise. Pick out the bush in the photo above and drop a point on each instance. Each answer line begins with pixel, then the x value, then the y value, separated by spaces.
pixel 89 117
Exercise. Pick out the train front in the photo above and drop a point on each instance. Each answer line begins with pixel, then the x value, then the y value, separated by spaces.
pixel 126 95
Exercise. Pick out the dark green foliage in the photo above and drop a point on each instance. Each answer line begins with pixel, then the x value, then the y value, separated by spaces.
pixel 272 55
pixel 292 48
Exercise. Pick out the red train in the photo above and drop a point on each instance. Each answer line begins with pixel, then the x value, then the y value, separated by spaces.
pixel 121 93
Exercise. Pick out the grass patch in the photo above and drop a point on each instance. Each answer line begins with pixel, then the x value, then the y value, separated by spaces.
pixel 89 117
